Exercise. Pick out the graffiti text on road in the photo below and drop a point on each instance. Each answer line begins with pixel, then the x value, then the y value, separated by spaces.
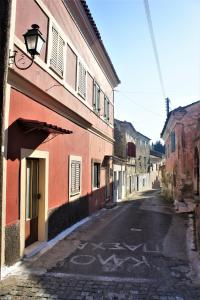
pixel 145 247
pixel 110 263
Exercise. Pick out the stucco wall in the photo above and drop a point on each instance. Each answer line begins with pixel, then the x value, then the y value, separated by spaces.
pixel 59 149
pixel 179 169
pixel 48 81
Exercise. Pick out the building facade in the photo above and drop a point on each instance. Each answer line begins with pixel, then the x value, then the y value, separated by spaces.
pixel 142 162
pixel 181 136
pixel 131 160
pixel 124 158
pixel 156 163
pixel 58 125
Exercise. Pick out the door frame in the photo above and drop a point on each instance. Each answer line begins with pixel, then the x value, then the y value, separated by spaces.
pixel 43 157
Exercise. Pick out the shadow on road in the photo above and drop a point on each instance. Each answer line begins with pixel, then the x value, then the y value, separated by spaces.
pixel 123 258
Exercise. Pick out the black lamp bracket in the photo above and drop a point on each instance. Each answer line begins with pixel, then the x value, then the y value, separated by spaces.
pixel 12 60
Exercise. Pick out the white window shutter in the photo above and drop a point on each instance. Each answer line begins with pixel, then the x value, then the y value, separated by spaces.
pixel 96 97
pixel 75 177
pixel 82 81
pixel 60 59
pixel 57 54
pixel 106 108
pixel 72 177
pixel 54 51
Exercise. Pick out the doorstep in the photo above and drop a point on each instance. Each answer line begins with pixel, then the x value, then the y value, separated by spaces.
pixel 34 248
pixel 34 251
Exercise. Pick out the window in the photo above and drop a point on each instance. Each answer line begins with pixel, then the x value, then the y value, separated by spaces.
pixel 71 69
pixel 106 108
pixel 57 52
pixel 143 182
pixel 81 80
pixel 96 98
pixel 96 175
pixel 145 162
pixel 123 182
pixel 131 149
pixel 74 176
pixel 167 154
pixel 173 141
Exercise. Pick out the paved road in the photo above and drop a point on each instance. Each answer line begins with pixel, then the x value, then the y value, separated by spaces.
pixel 134 251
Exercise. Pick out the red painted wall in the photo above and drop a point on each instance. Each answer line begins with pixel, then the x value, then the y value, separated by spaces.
pixel 46 88
pixel 59 150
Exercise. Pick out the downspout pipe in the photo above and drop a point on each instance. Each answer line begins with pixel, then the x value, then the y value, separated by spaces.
pixel 5 16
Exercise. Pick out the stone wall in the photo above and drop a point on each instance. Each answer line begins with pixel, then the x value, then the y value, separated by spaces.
pixel 12 244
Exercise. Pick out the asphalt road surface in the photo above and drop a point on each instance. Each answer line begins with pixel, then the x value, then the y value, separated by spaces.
pixel 137 250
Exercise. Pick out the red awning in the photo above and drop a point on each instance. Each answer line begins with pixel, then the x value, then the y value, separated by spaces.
pixel 31 125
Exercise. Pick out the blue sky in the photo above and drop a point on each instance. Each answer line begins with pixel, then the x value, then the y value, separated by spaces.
pixel 124 31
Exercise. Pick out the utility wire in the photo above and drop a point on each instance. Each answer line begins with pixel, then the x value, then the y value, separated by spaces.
pixel 150 25
pixel 143 107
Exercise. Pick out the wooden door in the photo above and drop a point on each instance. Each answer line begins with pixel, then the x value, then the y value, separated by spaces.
pixel 32 198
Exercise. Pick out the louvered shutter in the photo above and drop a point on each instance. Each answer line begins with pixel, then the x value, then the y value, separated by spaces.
pixel 54 51
pixel 105 102
pixel 75 177
pixel 106 108
pixel 60 57
pixel 96 97
pixel 82 80
pixel 57 54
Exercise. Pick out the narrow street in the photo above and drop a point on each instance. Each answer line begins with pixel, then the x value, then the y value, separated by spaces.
pixel 137 250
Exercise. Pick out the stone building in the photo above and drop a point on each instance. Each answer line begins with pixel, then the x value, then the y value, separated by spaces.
pixel 197 182
pixel 142 162
pixel 156 163
pixel 124 159
pixel 131 160
pixel 181 136
pixel 58 124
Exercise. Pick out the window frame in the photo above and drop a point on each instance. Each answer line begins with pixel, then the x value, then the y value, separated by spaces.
pixel 75 195
pixel 96 162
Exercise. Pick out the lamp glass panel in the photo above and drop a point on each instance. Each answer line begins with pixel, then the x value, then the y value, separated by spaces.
pixel 40 43
pixel 31 42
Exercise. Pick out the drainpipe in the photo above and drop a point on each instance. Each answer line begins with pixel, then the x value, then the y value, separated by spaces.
pixel 5 13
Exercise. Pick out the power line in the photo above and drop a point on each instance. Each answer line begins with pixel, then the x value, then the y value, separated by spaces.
pixel 143 107
pixel 150 25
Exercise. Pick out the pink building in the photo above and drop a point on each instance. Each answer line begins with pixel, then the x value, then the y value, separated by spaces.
pixel 181 135
pixel 58 125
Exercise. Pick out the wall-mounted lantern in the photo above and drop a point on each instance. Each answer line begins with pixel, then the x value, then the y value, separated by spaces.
pixel 34 42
